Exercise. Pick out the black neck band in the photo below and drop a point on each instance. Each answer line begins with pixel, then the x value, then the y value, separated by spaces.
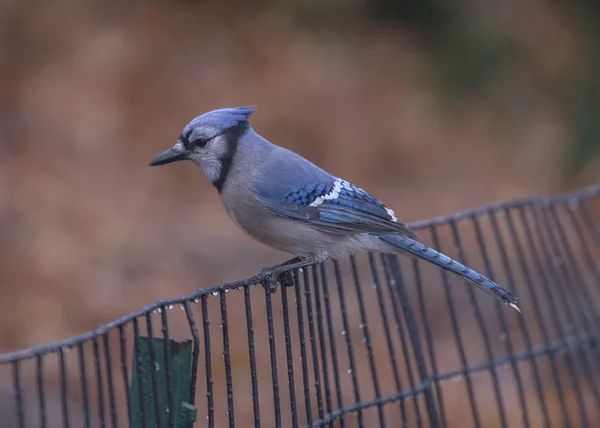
pixel 232 136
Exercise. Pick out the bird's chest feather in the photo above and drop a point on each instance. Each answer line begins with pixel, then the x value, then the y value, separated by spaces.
pixel 245 210
pixel 257 221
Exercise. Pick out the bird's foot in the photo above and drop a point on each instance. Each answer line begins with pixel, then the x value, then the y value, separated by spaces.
pixel 282 274
pixel 271 279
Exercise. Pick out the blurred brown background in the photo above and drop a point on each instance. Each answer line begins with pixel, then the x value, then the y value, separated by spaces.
pixel 432 107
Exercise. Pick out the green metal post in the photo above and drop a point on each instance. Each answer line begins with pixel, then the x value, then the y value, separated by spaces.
pixel 142 389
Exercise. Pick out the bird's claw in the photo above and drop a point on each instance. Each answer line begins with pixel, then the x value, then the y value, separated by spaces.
pixel 286 279
pixel 268 280
pixel 272 278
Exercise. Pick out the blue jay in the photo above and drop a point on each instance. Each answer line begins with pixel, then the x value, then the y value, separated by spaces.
pixel 286 202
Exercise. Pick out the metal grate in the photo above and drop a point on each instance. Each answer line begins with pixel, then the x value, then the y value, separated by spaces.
pixel 374 340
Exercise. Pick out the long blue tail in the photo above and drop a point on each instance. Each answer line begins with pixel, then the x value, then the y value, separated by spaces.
pixel 424 252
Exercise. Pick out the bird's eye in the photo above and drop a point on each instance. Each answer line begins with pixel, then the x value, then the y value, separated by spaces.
pixel 201 142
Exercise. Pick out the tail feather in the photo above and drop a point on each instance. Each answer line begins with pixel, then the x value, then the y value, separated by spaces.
pixel 424 252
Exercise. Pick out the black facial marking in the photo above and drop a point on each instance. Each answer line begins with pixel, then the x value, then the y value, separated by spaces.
pixel 190 145
pixel 185 139
pixel 232 136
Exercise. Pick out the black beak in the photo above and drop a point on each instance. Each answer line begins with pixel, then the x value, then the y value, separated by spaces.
pixel 168 156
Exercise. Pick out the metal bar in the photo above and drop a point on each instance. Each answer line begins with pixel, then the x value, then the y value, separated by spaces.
pixel 591 224
pixel 549 250
pixel 109 377
pixel 364 326
pixel 210 400
pixel 500 312
pixel 63 388
pixel 584 301
pixel 227 359
pixel 313 342
pixel 506 265
pixel 288 352
pixel 84 386
pixel 321 334
pixel 547 293
pixel 252 355
pixel 394 277
pixel 39 379
pixel 348 339
pixel 273 356
pixel 139 404
pixel 158 420
pixel 590 262
pixel 429 340
pixel 98 370
pixel 18 394
pixel 173 413
pixel 303 356
pixel 332 342
pixel 195 352
pixel 388 336
pixel 481 325
pixel 124 372
pixel 462 354
pixel 417 350
pixel 529 248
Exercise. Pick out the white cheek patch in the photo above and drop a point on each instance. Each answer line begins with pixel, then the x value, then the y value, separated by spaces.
pixel 333 194
pixel 212 169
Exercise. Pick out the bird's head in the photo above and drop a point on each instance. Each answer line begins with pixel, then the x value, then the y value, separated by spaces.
pixel 210 141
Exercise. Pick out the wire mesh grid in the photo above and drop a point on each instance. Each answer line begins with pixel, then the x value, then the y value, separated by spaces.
pixel 373 340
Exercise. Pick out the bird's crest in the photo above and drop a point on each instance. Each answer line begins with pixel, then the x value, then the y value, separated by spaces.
pixel 221 119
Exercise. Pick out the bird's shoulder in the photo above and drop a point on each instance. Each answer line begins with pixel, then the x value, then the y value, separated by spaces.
pixel 285 172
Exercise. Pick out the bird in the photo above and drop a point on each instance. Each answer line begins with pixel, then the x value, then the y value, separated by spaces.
pixel 286 202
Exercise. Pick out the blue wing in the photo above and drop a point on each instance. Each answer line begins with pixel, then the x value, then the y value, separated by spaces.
pixel 295 188
pixel 336 206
